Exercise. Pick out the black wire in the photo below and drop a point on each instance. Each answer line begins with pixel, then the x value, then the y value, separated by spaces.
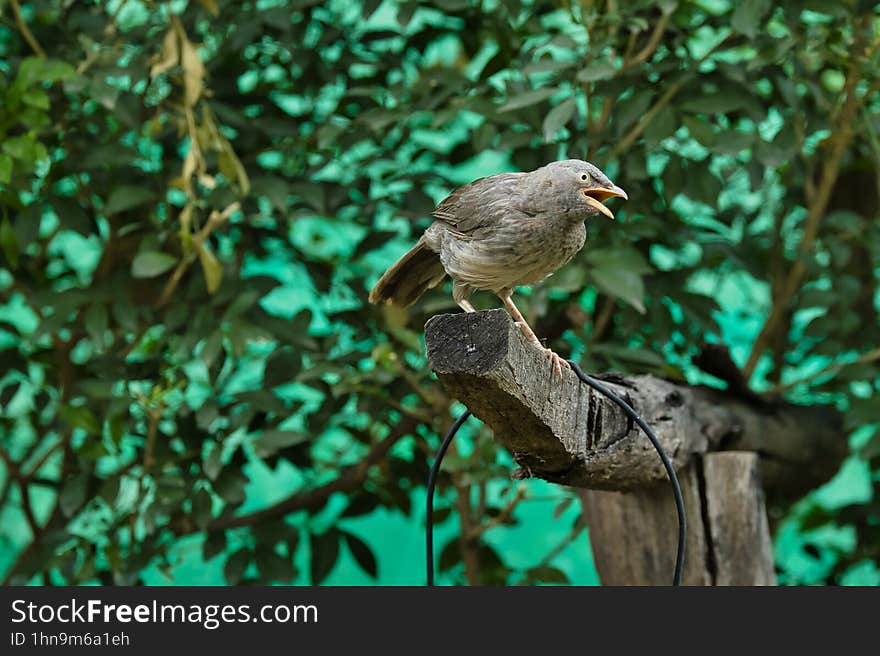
pixel 432 480
pixel 670 470
pixel 627 408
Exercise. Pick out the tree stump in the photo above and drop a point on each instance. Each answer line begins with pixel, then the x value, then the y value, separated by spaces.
pixel 727 452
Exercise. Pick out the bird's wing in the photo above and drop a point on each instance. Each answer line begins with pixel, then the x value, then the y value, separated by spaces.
pixel 476 207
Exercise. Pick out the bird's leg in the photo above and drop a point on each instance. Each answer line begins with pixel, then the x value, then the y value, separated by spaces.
pixel 460 294
pixel 557 361
pixel 520 320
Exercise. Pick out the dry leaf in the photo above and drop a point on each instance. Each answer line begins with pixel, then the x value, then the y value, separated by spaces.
pixel 168 56
pixel 211 266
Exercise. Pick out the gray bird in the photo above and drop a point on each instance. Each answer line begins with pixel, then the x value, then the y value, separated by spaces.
pixel 501 232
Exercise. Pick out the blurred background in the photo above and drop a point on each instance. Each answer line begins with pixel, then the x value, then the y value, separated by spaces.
pixel 196 197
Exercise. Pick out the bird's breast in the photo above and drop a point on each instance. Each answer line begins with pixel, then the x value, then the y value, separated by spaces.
pixel 515 253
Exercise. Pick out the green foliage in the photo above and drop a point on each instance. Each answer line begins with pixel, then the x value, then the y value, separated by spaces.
pixel 195 198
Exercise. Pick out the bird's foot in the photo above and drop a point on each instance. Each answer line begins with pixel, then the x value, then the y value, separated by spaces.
pixel 557 362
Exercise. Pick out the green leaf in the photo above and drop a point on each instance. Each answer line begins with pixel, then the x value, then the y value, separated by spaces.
pixel 527 99
pixel 324 551
pixel 272 441
pixel 41 69
pixel 36 98
pixel 546 65
pixel 73 494
pixel 623 257
pixel 623 284
pixel 721 102
pixel 9 242
pixel 362 554
pixel 275 189
pixel 663 125
pixel 109 490
pixel 274 567
pixel 747 16
pixel 80 417
pixel 215 543
pixel 211 348
pixel 126 197
pixel 547 574
pixel 202 507
pixel 118 427
pixel 558 117
pixel 103 93
pixel 771 154
pixel 450 555
pixel 596 73
pixel 700 130
pixel 230 485
pixel 632 110
pixel 96 322
pixel 731 142
pixel 282 367
pixel 5 168
pixel 629 354
pixel 212 462
pixel 361 504
pixel 151 264
pixel 24 148
pixel 236 564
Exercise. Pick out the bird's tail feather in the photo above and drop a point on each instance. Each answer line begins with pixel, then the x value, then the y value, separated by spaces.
pixel 411 276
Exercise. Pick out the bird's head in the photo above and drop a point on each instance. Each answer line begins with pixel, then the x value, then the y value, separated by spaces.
pixel 581 186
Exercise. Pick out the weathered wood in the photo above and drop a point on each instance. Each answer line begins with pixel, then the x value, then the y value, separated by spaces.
pixel 733 501
pixel 563 431
pixel 634 535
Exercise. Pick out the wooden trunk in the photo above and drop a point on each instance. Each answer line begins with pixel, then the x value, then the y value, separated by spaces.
pixel 634 534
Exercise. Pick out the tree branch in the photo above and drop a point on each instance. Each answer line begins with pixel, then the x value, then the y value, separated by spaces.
pixel 670 93
pixel 561 546
pixel 840 139
pixel 27 509
pixel 631 137
pixel 25 30
pixel 350 478
pixel 870 356
pixel 645 53
pixel 13 473
pixel 470 555
pixel 61 443
pixel 501 518
pixel 49 525
pixel 214 221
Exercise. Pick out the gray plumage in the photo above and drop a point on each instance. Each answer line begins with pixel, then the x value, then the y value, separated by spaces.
pixel 500 232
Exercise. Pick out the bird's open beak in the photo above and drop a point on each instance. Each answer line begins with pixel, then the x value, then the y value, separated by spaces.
pixel 596 197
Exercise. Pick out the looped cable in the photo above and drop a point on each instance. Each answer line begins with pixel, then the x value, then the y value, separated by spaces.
pixel 632 414
pixel 432 481
pixel 670 470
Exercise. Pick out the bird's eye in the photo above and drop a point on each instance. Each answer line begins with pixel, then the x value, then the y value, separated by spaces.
pixel 584 177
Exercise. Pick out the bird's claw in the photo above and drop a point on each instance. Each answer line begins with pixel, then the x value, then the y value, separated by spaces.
pixel 558 363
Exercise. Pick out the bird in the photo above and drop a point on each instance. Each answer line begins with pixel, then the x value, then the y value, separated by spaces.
pixel 501 232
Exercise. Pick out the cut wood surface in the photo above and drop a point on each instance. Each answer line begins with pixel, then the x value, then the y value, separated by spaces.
pixel 561 430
